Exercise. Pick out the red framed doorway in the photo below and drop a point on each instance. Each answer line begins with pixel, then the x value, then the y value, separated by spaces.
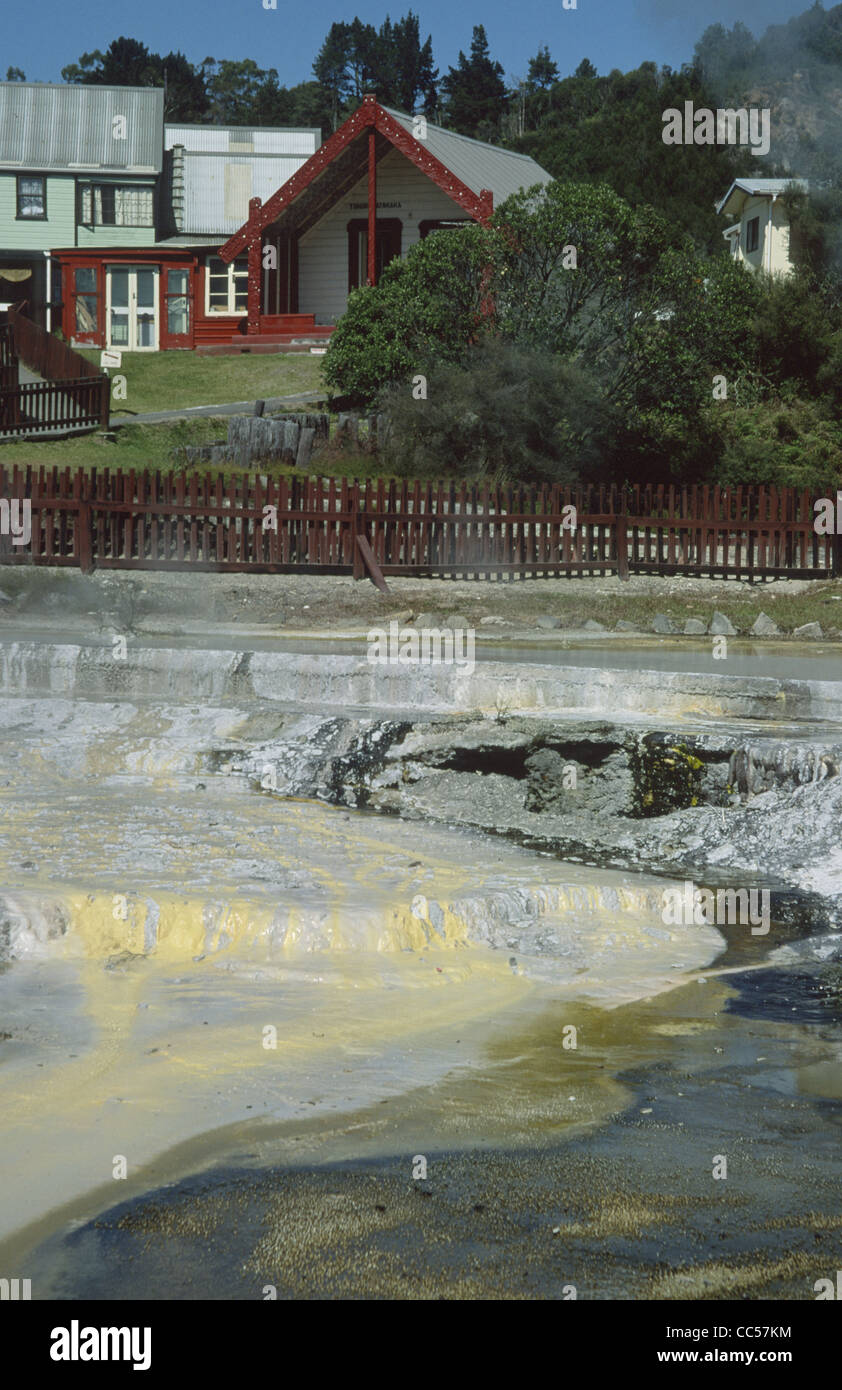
pixel 387 243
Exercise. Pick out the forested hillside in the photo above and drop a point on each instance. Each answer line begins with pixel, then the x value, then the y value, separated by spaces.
pixel 587 126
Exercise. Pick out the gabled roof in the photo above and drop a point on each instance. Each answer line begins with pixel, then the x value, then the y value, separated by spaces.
pixel 757 188
pixel 51 126
pixel 478 165
pixel 474 175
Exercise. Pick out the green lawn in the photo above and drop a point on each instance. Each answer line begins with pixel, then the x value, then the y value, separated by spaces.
pixel 169 380
pixel 133 446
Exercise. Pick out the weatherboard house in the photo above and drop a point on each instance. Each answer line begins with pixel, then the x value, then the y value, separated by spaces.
pixel 760 232
pixel 167 288
pixel 381 183
pixel 110 218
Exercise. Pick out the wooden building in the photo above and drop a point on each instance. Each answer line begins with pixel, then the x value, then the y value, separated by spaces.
pixel 380 184
pixel 169 289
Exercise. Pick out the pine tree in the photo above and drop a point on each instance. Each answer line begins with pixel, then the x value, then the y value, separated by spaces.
pixel 330 68
pixel 542 71
pixel 475 91
pixel 414 74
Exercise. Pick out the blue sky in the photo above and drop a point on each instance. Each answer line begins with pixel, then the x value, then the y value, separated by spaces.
pixel 612 33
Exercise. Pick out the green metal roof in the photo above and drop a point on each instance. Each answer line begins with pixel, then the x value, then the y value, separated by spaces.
pixel 71 128
pixel 477 164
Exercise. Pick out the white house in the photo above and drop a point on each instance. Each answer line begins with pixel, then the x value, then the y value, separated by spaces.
pixel 759 234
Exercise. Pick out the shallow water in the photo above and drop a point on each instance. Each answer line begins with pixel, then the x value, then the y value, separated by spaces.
pixel 591 1165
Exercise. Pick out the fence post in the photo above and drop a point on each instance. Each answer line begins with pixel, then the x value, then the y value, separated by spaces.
pixel 85 546
pixel 623 542
pixel 356 523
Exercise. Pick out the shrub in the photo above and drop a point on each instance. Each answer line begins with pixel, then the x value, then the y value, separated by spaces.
pixel 427 309
pixel 507 414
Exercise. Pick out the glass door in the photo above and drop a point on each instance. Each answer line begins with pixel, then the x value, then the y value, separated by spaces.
pixel 118 307
pixel 133 308
pixel 145 308
pixel 178 308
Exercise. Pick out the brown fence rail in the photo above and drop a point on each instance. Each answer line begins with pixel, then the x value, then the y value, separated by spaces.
pixel 145 520
pixel 45 354
pixel 53 405
pixel 75 395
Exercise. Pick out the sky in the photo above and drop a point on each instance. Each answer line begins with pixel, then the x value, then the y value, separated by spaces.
pixel 612 33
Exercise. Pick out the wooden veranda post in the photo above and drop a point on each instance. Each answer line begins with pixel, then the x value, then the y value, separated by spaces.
pixel 372 206
pixel 255 280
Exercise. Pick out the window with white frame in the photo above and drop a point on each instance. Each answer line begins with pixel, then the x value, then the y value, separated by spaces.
pixel 227 286
pixel 116 205
pixel 32 197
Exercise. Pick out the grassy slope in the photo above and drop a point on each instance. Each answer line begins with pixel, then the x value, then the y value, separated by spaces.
pixel 169 380
pixel 151 446
pixel 135 446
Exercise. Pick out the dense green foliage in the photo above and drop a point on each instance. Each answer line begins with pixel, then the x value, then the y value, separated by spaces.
pixel 507 412
pixel 392 62
pixel 654 364
pixel 593 129
pixel 427 308
pixel 475 91
pixel 355 57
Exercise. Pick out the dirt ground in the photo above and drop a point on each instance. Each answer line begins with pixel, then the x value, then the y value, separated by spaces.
pixel 178 602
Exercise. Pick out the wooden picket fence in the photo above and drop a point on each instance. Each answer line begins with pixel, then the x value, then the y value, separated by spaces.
pixel 147 520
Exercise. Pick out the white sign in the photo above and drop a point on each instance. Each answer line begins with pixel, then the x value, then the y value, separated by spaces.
pixel 109 358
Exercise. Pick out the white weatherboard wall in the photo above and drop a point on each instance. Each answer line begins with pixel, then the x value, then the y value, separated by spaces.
pixel 780 263
pixel 323 251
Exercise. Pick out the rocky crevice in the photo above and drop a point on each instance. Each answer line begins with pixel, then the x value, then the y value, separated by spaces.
pixel 713 803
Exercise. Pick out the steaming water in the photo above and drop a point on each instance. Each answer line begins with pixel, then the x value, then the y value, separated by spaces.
pixel 186 951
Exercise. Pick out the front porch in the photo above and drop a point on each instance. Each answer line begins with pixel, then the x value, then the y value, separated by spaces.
pixel 275 333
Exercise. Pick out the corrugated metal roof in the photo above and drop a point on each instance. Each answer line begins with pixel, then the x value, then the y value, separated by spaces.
pixel 188 242
pixel 757 187
pixel 264 140
pixel 477 165
pixel 48 126
pixel 217 188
